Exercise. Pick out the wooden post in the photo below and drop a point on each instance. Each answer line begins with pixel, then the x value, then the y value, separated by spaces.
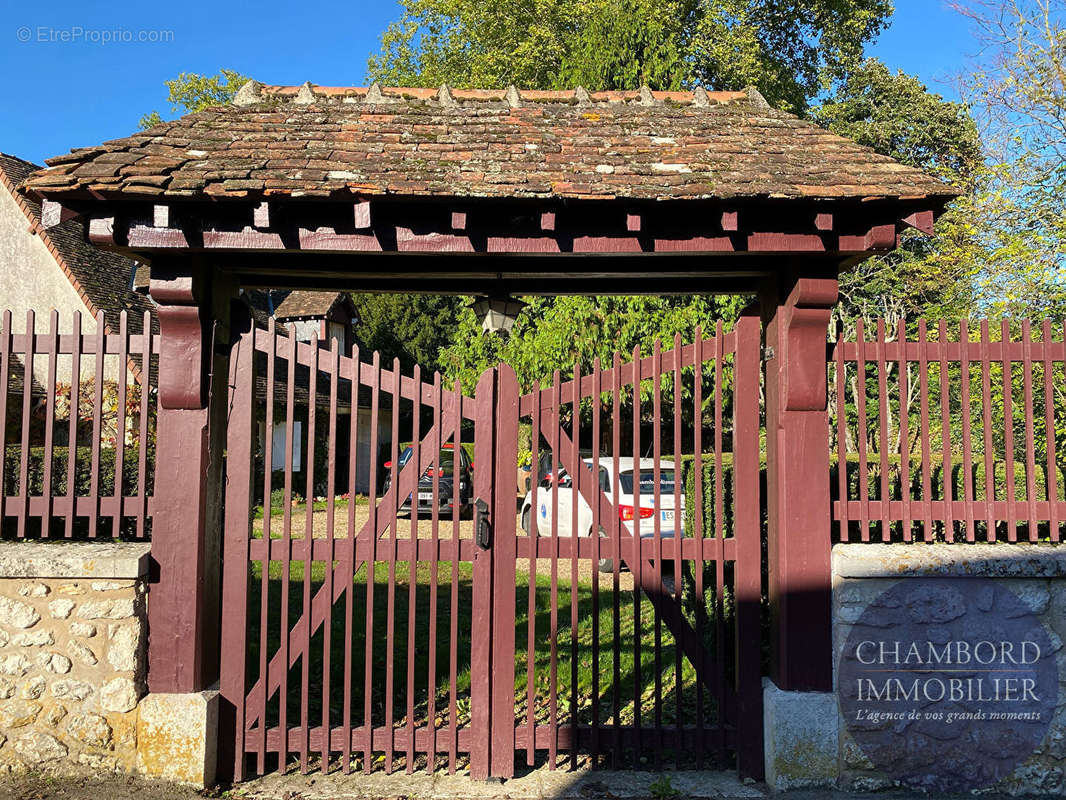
pixel 796 313
pixel 493 612
pixel 504 553
pixel 240 475
pixel 747 571
pixel 481 596
pixel 183 602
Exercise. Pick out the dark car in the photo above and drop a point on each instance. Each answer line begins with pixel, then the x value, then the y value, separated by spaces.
pixel 443 472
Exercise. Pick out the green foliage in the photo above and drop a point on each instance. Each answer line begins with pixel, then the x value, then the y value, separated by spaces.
pixel 82 470
pixel 663 789
pixel 1017 84
pixel 194 92
pixel 414 328
pixel 896 115
pixel 557 333
pixel 649 49
pixel 791 50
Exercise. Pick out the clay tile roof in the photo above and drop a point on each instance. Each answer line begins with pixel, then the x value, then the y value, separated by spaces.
pixel 299 303
pixel 313 141
pixel 102 279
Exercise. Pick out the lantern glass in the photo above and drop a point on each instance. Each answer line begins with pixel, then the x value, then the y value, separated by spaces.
pixel 497 314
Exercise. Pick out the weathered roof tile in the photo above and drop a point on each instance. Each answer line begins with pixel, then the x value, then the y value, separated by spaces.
pixel 494 143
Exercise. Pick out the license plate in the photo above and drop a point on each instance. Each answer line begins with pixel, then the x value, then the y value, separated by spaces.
pixel 668 516
pixel 425 495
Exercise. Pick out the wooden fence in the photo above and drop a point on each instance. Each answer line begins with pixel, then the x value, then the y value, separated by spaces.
pixel 952 434
pixel 78 414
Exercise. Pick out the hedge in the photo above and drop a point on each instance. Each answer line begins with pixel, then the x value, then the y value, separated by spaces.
pixel 82 470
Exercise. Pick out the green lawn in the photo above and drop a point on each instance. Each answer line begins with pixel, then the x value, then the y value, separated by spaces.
pixel 650 681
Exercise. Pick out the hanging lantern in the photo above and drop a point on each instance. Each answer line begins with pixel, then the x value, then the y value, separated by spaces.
pixel 497 314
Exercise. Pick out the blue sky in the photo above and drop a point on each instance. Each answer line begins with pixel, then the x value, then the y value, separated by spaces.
pixel 67 86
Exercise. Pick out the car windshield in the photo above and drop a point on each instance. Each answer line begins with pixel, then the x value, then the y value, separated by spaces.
pixel 647 481
pixel 447 459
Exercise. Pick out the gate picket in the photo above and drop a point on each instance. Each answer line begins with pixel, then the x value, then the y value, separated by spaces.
pixel 422 713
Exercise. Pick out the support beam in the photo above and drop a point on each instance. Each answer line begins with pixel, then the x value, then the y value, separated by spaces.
pixel 53 213
pixel 796 312
pixel 361 215
pixel 183 605
pixel 261 216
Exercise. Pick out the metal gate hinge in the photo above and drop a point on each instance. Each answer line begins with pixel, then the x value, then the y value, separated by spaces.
pixel 768 353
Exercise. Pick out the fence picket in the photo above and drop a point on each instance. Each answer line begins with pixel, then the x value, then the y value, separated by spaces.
pixel 883 432
pixel 47 489
pixel 1051 481
pixel 967 445
pixel 960 502
pixel 24 449
pixel 1030 424
pixel 1008 433
pixel 862 439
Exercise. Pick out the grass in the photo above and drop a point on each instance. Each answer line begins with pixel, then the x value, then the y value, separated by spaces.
pixel 299 506
pixel 585 684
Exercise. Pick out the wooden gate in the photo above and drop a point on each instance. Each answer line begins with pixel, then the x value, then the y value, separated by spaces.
pixel 426 604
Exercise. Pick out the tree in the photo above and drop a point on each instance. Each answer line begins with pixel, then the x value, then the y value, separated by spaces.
pixel 1018 84
pixel 896 115
pixel 415 328
pixel 557 333
pixel 193 92
pixel 791 50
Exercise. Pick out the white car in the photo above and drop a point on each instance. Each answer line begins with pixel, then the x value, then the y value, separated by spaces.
pixel 668 517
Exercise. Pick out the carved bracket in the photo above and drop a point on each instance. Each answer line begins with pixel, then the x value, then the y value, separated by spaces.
pixel 801 343
pixel 183 346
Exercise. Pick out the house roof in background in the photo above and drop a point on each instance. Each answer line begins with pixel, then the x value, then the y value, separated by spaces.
pixel 299 304
pixel 313 141
pixel 102 279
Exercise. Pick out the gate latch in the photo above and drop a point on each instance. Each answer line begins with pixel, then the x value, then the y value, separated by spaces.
pixel 482 526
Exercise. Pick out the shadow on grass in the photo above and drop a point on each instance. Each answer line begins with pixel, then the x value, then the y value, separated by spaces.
pixel 628 716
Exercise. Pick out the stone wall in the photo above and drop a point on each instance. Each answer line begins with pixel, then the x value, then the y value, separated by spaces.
pixel 1036 574
pixel 72 649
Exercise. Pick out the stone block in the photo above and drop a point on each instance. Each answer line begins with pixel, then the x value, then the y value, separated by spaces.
pixel 82 629
pixel 999 560
pixel 71 690
pixel 39 747
pixel 33 639
pixel 14 664
pixel 123 650
pixel 79 560
pixel 90 729
pixel 177 737
pixel 18 614
pixel 801 738
pixel 18 713
pixel 116 608
pixel 81 653
pixel 61 608
pixel 119 694
pixel 54 662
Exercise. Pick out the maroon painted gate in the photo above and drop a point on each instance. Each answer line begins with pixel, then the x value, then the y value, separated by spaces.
pixel 436 606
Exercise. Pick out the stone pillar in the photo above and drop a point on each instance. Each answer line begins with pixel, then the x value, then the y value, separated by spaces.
pixel 796 314
pixel 193 310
